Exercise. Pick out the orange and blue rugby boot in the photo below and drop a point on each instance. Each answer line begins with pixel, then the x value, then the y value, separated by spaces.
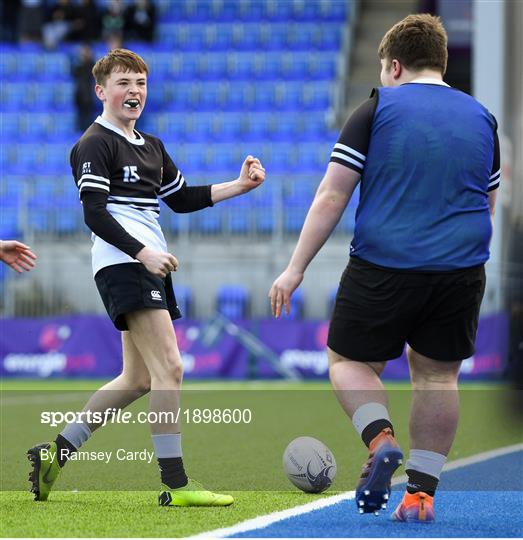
pixel 373 490
pixel 415 508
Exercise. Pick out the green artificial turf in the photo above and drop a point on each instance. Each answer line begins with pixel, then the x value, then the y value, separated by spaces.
pixel 94 498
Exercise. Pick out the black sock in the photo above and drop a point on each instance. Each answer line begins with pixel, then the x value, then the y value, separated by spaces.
pixel 375 428
pixel 172 472
pixel 419 481
pixel 65 449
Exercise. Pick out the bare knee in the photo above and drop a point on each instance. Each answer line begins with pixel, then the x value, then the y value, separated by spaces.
pixel 141 384
pixel 427 372
pixel 169 367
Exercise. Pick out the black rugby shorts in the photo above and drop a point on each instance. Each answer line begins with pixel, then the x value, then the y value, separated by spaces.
pixel 378 310
pixel 129 287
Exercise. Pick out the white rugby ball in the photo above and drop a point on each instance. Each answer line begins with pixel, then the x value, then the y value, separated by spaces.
pixel 309 465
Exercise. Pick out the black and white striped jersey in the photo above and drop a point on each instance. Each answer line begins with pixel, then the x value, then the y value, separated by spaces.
pixel 134 173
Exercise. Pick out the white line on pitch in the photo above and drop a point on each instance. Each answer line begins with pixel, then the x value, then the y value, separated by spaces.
pixel 261 522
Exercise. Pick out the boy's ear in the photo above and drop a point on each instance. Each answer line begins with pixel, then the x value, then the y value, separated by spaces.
pixel 100 93
pixel 396 68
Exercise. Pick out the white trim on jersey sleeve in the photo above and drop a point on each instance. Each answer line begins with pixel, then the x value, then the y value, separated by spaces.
pixel 92 184
pixel 350 151
pixel 348 154
pixel 93 177
pixel 173 187
pixel 495 179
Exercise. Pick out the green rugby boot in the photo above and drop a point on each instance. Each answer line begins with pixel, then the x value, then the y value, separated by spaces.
pixel 193 494
pixel 44 459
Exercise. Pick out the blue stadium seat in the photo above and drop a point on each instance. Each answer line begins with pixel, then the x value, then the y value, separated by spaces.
pixel 223 157
pixel 185 96
pixel 12 188
pixel 277 10
pixel 289 96
pixel 196 37
pixel 314 126
pixel 40 215
pixel 47 187
pixel 285 156
pixel 34 125
pixel 56 65
pixel 273 36
pixel 186 66
pixel 307 11
pixel 299 36
pixel 240 65
pixel 68 216
pixel 227 127
pixel 328 37
pixel 264 95
pixel 239 211
pixel 30 64
pixel 233 301
pixel 8 64
pixel 294 65
pixel 213 66
pixel 316 95
pixel 194 154
pixel 296 209
pixel 337 10
pixel 10 124
pixel 207 221
pixel 263 210
pixel 63 95
pixel 46 96
pixel 219 36
pixel 172 34
pixel 9 224
pixel 212 96
pixel 198 10
pixel 26 157
pixel 56 156
pixel 12 96
pixel 321 66
pixel 172 222
pixel 199 127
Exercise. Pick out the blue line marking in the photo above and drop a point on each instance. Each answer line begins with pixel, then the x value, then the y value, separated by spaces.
pixel 480 500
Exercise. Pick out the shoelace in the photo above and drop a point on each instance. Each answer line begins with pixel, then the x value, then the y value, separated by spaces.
pixel 366 468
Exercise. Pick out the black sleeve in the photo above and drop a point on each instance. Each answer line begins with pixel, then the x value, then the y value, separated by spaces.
pixel 175 192
pixel 495 174
pixel 353 142
pixel 100 221
pixel 189 198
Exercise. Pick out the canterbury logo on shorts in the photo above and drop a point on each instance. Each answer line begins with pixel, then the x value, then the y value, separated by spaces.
pixel 155 295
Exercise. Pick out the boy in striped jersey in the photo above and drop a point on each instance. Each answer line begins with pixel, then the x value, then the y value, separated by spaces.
pixel 121 173
pixel 426 157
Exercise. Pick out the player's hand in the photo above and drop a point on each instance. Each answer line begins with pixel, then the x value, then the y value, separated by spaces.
pixel 252 174
pixel 158 263
pixel 282 289
pixel 17 255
